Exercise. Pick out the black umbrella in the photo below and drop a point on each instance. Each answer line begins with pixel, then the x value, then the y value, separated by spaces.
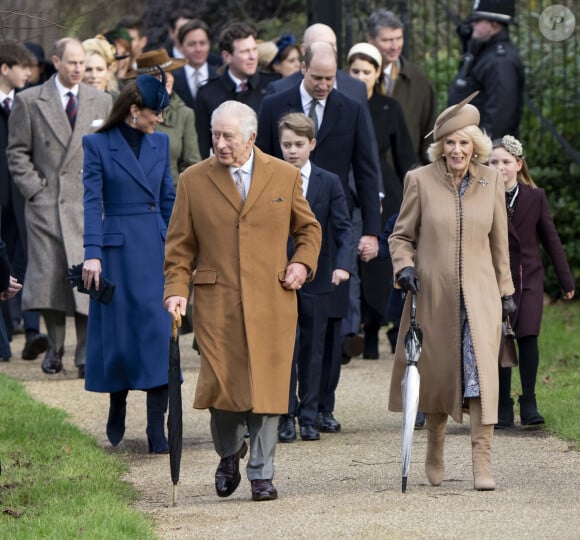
pixel 175 417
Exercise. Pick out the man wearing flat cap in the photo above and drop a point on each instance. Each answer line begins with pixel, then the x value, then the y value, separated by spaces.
pixel 492 65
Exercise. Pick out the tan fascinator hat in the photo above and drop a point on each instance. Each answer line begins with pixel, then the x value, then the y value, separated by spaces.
pixel 148 61
pixel 455 117
pixel 267 51
pixel 368 50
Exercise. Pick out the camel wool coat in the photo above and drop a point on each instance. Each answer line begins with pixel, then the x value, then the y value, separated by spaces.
pixel 244 320
pixel 458 248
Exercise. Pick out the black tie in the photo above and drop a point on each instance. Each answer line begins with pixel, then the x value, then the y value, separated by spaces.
pixel 7 105
pixel 71 109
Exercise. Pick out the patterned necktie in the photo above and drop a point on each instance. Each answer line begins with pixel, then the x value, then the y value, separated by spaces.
pixel 312 114
pixel 71 109
pixel 7 105
pixel 243 86
pixel 238 180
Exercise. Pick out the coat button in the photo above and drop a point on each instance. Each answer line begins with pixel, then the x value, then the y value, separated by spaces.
pixel 152 207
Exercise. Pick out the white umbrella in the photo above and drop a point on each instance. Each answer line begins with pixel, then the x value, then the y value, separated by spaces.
pixel 410 390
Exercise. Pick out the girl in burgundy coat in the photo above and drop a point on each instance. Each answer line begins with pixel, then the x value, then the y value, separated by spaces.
pixel 529 225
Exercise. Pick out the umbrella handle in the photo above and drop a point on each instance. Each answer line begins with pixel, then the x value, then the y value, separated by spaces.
pixel 413 307
pixel 176 323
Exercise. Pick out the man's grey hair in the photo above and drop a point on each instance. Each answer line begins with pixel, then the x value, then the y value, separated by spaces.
pixel 382 18
pixel 60 45
pixel 247 116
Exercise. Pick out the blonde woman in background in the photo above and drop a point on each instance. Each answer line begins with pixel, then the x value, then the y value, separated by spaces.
pixel 100 57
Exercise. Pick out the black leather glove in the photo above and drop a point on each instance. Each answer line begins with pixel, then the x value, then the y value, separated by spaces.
pixel 408 280
pixel 508 306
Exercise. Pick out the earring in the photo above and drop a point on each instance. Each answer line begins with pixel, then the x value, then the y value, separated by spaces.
pixel 134 119
pixel 474 155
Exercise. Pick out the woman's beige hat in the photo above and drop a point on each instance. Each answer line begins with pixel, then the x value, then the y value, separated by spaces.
pixel 148 62
pixel 455 117
pixel 368 50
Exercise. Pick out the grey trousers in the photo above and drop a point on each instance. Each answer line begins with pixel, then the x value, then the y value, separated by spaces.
pixel 55 322
pixel 228 429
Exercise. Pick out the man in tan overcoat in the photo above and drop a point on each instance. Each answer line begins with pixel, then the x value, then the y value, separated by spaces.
pixel 45 158
pixel 231 221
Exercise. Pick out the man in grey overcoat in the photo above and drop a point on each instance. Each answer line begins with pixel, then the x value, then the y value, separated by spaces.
pixel 45 158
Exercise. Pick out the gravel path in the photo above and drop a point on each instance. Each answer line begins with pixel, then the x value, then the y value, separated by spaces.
pixel 346 485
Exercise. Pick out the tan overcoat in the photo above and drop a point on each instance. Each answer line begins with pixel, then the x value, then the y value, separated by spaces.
pixel 45 157
pixel 461 248
pixel 244 320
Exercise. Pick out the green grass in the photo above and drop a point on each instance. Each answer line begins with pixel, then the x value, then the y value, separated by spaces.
pixel 56 482
pixel 558 383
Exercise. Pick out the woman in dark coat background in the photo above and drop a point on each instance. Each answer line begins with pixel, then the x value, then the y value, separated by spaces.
pixel 529 226
pixel 128 200
pixel 9 286
pixel 396 158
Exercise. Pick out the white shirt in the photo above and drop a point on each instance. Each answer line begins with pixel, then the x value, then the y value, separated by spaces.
pixel 237 81
pixel 62 92
pixel 9 95
pixel 305 173
pixel 190 77
pixel 246 170
pixel 177 53
pixel 307 100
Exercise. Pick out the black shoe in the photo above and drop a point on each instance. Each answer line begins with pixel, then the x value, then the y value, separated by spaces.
pixel 81 372
pixel 5 359
pixel 35 344
pixel 263 490
pixel 227 474
pixel 18 327
pixel 505 415
pixel 529 414
pixel 286 429
pixel 345 359
pixel 309 433
pixel 52 362
pixel 353 345
pixel 117 413
pixel 327 423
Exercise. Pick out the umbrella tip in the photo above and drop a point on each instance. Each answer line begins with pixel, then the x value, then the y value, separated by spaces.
pixel 404 485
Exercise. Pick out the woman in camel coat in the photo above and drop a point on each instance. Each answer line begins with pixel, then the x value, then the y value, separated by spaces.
pixel 450 245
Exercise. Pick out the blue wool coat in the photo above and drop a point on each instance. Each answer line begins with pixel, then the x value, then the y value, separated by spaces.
pixel 127 204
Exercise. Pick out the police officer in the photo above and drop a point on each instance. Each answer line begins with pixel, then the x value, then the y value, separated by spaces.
pixel 492 65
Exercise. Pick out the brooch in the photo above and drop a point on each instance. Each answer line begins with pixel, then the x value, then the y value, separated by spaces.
pixel 483 182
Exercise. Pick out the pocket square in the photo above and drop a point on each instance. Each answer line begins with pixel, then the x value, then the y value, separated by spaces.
pixel 97 123
pixel 278 199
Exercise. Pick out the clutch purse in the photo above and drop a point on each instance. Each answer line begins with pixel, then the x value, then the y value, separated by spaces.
pixel 508 356
pixel 106 287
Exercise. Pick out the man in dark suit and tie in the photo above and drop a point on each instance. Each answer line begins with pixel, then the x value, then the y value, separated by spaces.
pixel 46 161
pixel 324 193
pixel 346 84
pixel 241 81
pixel 343 136
pixel 195 44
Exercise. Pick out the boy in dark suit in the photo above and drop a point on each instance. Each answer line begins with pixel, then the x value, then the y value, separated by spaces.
pixel 324 193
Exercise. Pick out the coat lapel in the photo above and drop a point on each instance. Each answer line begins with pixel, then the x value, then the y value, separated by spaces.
pixel 332 112
pixel 260 177
pixel 222 179
pixel 50 106
pixel 125 158
pixel 313 186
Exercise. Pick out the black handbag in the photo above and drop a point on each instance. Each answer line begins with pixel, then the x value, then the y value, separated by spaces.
pixel 508 356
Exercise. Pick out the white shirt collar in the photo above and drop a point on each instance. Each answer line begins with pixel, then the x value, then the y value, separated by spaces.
pixel 237 81
pixel 62 91
pixel 247 169
pixel 307 99
pixel 10 95
pixel 203 72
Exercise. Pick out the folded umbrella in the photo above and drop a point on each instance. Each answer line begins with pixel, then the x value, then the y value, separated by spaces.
pixel 175 416
pixel 410 390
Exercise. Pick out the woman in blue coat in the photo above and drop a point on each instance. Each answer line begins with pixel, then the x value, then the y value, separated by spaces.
pixel 128 199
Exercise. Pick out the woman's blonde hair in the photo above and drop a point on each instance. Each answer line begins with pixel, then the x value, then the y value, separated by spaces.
pixel 481 144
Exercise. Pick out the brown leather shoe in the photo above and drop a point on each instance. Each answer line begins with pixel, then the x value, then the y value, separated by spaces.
pixel 227 475
pixel 52 362
pixel 263 490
